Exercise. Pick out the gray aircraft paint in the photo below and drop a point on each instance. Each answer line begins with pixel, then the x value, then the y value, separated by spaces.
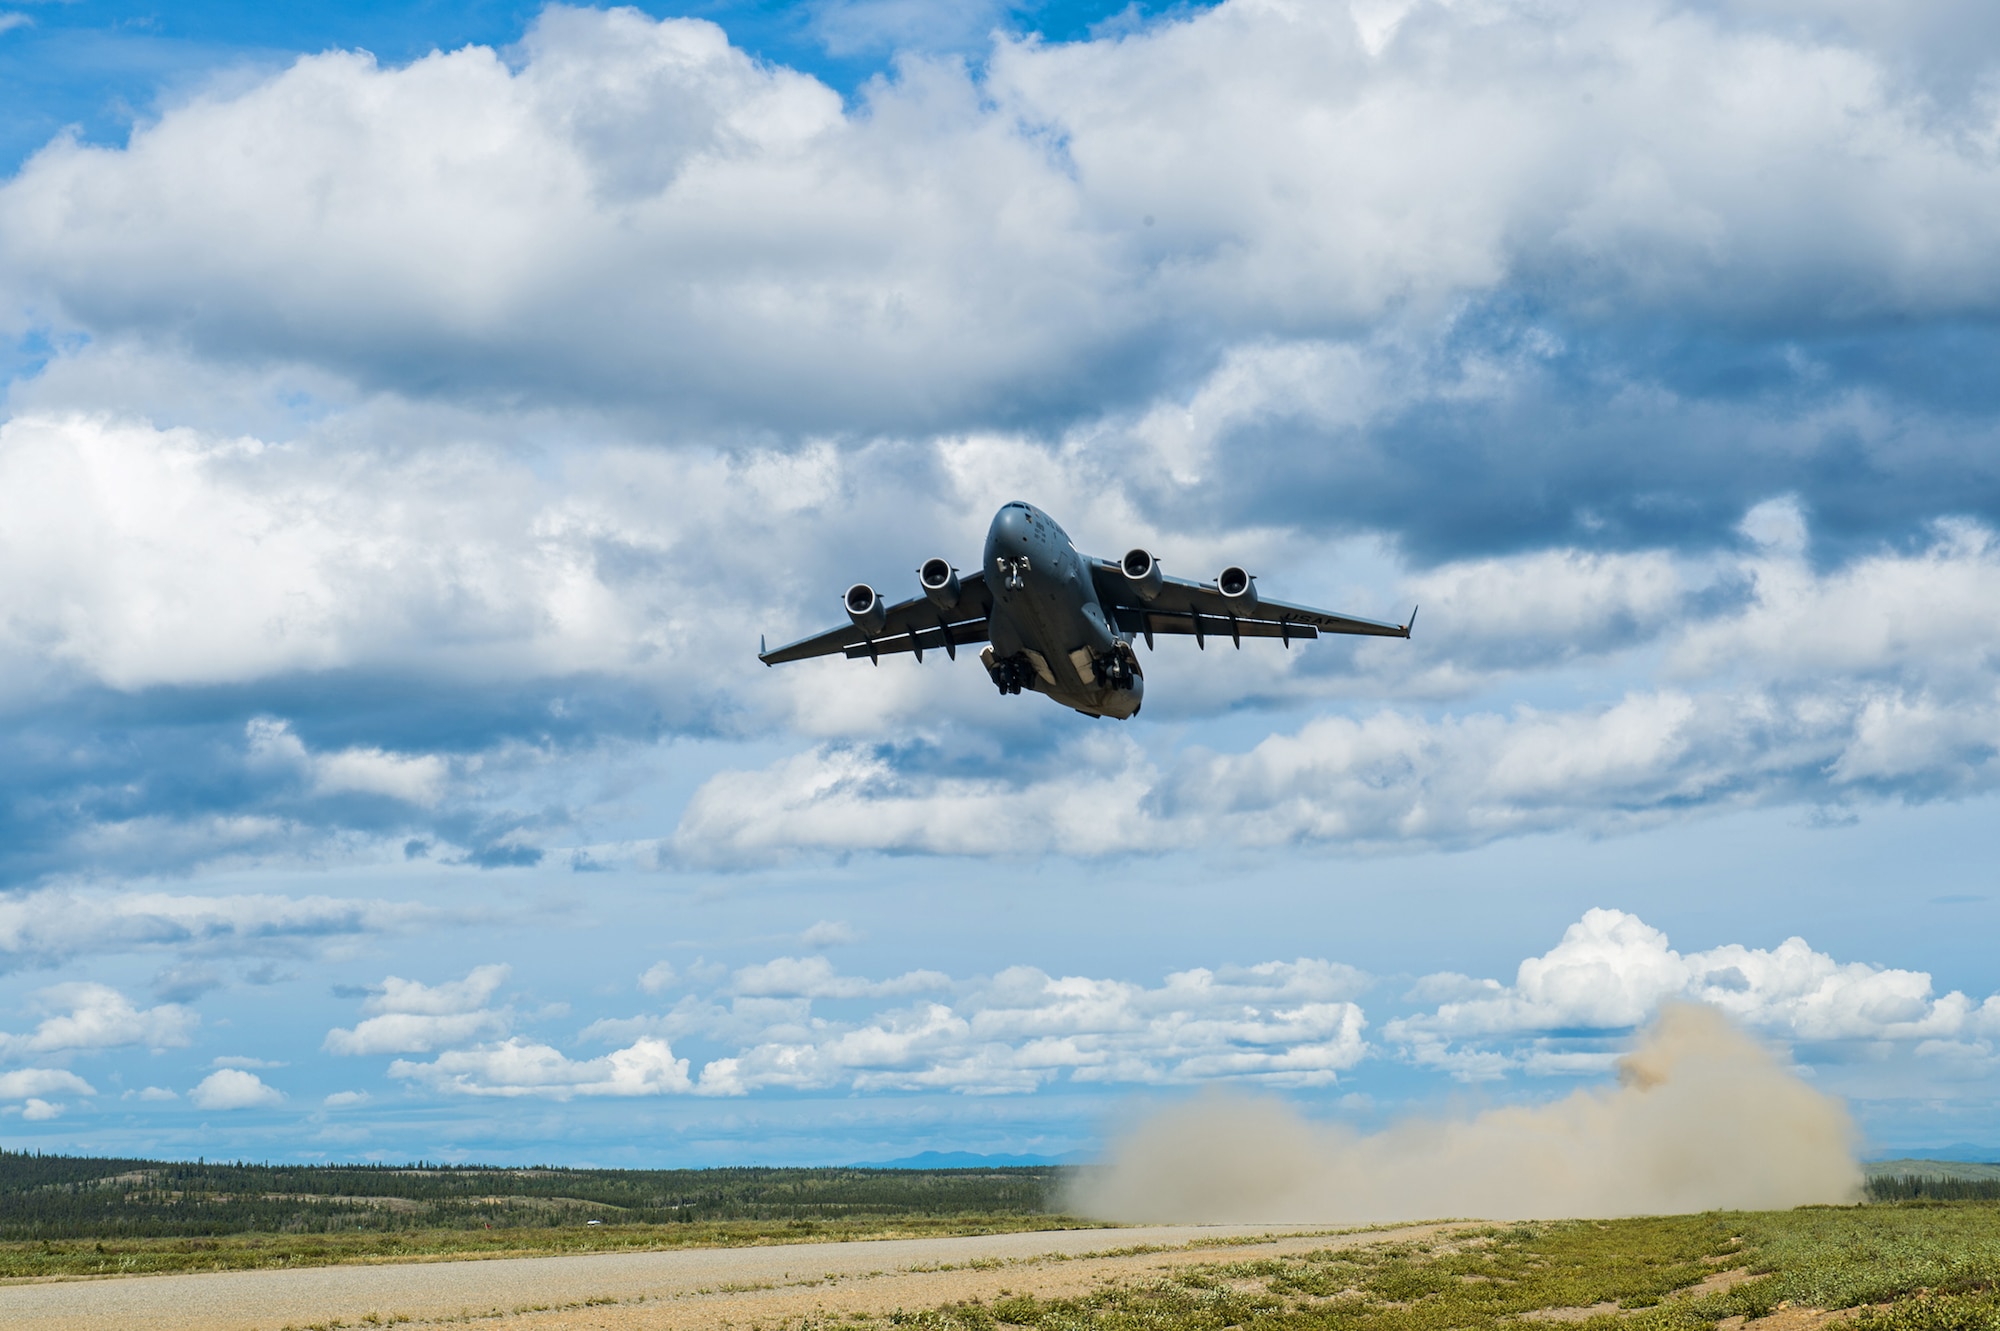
pixel 1063 623
pixel 1045 608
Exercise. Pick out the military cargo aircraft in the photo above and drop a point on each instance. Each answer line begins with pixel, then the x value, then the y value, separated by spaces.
pixel 1060 622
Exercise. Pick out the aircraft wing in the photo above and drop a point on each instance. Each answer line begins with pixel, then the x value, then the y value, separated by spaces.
pixel 1198 609
pixel 916 625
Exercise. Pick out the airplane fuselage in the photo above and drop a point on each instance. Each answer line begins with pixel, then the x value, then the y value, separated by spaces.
pixel 1048 632
pixel 1060 623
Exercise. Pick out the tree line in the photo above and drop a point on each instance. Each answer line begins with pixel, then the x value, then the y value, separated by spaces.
pixel 52 1197
pixel 1926 1188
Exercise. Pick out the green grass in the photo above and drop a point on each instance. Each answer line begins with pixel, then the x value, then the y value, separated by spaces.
pixel 79 1216
pixel 1928 1267
pixel 243 1252
pixel 1841 1257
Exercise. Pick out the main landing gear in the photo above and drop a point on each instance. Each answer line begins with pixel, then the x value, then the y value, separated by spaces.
pixel 1117 669
pixel 1010 675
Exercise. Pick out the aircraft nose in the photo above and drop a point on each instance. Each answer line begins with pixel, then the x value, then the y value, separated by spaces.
pixel 1010 532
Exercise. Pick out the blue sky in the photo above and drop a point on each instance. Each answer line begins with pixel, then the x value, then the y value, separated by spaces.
pixel 414 415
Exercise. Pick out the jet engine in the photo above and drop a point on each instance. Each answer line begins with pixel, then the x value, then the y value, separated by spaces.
pixel 940 581
pixel 1143 572
pixel 865 608
pixel 1238 586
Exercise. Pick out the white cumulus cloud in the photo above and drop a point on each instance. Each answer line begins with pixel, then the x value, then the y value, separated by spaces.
pixel 790 1025
pixel 815 977
pixel 52 924
pixel 233 1088
pixel 413 1017
pixel 1280 1023
pixel 416 779
pixel 518 1067
pixel 86 1015
pixel 22 1083
pixel 602 217
pixel 1612 971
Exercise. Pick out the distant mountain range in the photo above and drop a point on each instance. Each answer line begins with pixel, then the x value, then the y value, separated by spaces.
pixel 1964 1153
pixel 973 1160
pixel 1925 1166
pixel 1959 1160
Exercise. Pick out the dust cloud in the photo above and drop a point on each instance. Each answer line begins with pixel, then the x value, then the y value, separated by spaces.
pixel 1703 1118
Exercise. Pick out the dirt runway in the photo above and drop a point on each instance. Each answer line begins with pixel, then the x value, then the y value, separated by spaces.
pixel 654 1291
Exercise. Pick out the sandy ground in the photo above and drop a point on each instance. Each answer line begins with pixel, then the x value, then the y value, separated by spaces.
pixel 690 1288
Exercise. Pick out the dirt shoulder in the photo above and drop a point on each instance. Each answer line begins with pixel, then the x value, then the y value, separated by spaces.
pixel 691 1288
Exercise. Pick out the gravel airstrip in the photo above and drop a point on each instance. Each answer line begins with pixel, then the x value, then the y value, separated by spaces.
pixel 685 1288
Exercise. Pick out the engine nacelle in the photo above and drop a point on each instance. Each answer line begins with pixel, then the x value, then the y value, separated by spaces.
pixel 865 608
pixel 1238 586
pixel 1143 572
pixel 940 581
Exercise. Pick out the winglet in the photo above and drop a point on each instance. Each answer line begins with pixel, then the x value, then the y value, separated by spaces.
pixel 1410 627
pixel 761 653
